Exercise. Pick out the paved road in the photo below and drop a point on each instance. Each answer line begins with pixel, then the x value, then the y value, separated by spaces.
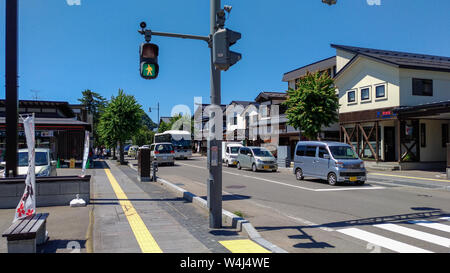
pixel 388 214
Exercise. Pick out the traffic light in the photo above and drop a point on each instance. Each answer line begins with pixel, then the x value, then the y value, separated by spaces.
pixel 223 58
pixel 149 67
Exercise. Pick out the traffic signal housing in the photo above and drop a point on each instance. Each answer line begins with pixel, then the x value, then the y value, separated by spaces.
pixel 223 58
pixel 149 67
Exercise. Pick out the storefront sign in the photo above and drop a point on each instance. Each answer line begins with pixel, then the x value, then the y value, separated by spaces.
pixel 386 114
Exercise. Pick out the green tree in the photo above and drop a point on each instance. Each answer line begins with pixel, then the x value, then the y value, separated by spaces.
pixel 313 104
pixel 143 136
pixel 147 121
pixel 95 104
pixel 121 120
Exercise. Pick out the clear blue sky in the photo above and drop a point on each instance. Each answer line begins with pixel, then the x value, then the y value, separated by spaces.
pixel 65 49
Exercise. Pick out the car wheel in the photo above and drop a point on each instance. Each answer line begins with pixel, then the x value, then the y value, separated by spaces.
pixel 239 166
pixel 299 174
pixel 254 168
pixel 332 179
pixel 360 183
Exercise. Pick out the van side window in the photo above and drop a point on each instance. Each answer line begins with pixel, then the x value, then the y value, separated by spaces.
pixel 301 150
pixel 322 151
pixel 243 152
pixel 310 151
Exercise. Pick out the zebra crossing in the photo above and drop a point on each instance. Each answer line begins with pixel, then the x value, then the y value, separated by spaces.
pixel 419 236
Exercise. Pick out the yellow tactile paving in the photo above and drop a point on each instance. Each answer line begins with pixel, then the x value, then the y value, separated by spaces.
pixel 142 234
pixel 243 246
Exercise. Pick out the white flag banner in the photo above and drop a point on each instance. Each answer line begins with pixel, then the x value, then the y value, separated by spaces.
pixel 86 152
pixel 27 204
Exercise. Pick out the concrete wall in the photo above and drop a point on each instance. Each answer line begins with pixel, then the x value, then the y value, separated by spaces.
pixel 433 150
pixel 53 191
pixel 366 73
pixel 441 86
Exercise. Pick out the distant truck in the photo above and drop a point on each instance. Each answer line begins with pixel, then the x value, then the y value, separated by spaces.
pixel 230 153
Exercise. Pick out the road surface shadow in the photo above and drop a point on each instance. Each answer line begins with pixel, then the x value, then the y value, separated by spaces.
pixel 231 197
pixel 427 214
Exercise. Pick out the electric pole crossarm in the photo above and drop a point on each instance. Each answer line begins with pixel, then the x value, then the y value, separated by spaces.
pixel 183 36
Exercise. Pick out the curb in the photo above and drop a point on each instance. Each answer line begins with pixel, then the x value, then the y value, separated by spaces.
pixel 237 222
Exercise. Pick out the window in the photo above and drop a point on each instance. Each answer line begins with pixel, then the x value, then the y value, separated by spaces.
pixel 235 118
pixel 380 91
pixel 422 87
pixel 243 151
pixel 322 151
pixel 351 96
pixel 310 151
pixel 423 135
pixel 301 150
pixel 365 94
pixel 444 135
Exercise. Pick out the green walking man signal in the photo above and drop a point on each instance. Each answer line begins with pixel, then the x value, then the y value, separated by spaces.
pixel 149 67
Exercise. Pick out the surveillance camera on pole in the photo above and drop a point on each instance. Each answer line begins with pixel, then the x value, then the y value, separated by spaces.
pixel 223 58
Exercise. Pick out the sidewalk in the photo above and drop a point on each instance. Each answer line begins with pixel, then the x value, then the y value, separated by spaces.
pixel 133 216
pixel 68 227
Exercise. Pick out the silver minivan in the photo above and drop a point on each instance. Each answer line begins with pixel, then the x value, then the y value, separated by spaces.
pixel 163 153
pixel 332 161
pixel 256 158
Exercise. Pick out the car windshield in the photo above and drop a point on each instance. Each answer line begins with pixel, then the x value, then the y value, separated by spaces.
pixel 164 148
pixel 41 159
pixel 262 152
pixel 343 152
pixel 234 150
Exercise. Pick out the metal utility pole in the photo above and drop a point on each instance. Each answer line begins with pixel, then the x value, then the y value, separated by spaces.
pixel 214 145
pixel 221 59
pixel 11 84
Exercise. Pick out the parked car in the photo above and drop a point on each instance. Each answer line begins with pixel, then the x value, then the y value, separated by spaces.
pixel 332 161
pixel 44 163
pixel 230 153
pixel 132 152
pixel 163 153
pixel 256 158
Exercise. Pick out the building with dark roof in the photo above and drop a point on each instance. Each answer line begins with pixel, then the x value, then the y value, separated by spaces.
pixel 394 105
pixel 58 126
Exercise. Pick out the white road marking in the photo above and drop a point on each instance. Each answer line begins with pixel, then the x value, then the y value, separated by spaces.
pixel 293 186
pixel 445 218
pixel 381 241
pixel 432 225
pixel 434 239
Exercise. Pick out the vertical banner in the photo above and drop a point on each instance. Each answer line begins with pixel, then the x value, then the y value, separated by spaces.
pixel 86 153
pixel 27 204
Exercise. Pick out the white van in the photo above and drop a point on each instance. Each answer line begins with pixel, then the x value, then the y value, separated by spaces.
pixel 230 153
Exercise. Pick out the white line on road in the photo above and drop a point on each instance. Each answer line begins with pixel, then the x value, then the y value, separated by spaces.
pixel 382 241
pixel 293 186
pixel 438 240
pixel 432 225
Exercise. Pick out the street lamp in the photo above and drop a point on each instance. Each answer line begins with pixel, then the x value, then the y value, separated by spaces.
pixel 157 108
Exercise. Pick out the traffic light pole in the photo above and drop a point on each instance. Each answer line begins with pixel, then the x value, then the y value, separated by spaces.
pixel 11 87
pixel 214 145
pixel 214 160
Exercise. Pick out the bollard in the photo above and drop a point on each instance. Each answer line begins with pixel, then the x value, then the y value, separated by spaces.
pixel 154 170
